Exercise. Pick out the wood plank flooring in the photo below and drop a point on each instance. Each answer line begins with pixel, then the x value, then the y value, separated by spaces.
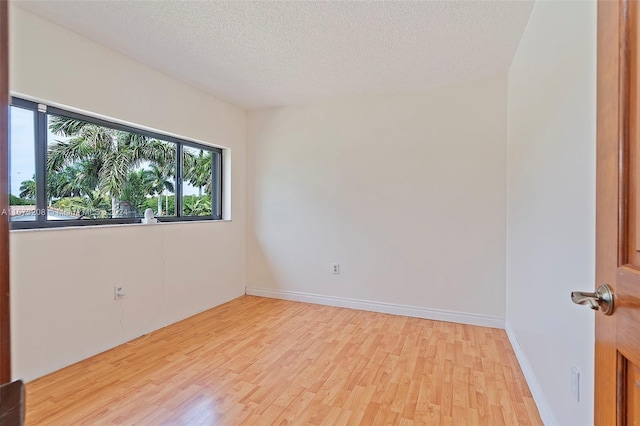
pixel 259 361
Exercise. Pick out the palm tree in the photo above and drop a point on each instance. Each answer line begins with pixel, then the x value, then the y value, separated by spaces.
pixel 109 154
pixel 76 180
pixel 198 170
pixel 136 191
pixel 28 189
pixel 156 180
pixel 72 181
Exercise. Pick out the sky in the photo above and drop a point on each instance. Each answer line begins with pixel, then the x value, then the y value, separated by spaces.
pixel 23 160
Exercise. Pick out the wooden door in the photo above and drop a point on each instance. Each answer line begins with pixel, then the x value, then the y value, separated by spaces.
pixel 617 380
pixel 5 340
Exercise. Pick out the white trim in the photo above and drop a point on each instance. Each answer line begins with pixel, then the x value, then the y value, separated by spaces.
pixel 387 308
pixel 115 225
pixel 534 386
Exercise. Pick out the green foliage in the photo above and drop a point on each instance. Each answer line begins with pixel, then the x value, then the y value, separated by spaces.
pixel 193 205
pixel 135 191
pixel 92 206
pixel 76 180
pixel 165 200
pixel 17 201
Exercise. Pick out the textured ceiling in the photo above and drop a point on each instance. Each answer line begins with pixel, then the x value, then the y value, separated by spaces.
pixel 260 54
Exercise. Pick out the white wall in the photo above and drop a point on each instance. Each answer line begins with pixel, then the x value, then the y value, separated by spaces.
pixel 62 280
pixel 405 191
pixel 551 204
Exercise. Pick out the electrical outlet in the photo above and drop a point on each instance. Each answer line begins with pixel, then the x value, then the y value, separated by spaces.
pixel 118 292
pixel 335 268
pixel 575 382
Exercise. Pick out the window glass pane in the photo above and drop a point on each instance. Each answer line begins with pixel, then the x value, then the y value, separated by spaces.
pixel 196 188
pixel 96 172
pixel 157 178
pixel 22 168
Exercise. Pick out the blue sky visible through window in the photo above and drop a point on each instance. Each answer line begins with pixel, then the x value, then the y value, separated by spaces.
pixel 23 161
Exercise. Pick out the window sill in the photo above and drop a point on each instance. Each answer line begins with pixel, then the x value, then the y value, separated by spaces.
pixel 118 225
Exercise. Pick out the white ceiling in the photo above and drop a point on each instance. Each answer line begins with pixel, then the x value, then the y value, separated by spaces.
pixel 261 54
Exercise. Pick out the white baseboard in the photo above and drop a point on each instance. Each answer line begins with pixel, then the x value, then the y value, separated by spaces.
pixel 534 386
pixel 387 308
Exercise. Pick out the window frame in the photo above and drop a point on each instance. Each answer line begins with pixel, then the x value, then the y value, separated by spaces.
pixel 41 111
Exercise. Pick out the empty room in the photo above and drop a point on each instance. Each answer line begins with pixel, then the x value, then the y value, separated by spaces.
pixel 319 212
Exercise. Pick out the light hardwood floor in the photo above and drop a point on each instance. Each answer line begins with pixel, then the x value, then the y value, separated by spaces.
pixel 262 361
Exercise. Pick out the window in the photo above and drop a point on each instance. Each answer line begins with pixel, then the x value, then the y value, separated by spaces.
pixel 22 175
pixel 68 169
pixel 198 184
